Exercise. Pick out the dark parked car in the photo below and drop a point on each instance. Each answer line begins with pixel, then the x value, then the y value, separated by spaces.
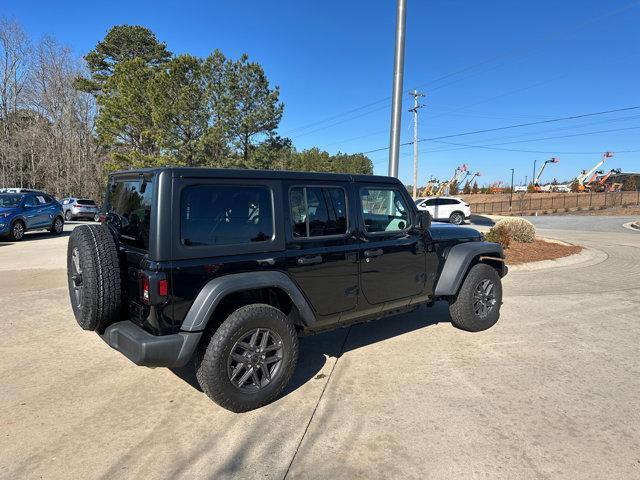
pixel 23 212
pixel 229 267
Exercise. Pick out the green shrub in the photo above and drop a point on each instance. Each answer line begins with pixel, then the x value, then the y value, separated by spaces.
pixel 498 234
pixel 519 229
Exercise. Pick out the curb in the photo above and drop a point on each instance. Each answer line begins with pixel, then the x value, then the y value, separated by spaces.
pixel 586 257
pixel 635 226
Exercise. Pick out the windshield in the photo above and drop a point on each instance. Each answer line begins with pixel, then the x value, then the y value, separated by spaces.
pixel 85 202
pixel 8 200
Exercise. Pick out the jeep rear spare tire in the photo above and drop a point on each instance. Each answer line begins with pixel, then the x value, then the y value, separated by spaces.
pixel 93 273
pixel 249 359
pixel 476 307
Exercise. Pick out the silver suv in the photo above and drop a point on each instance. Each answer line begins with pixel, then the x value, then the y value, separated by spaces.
pixel 75 208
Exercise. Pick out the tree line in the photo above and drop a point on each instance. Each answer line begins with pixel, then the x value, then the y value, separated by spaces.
pixel 130 103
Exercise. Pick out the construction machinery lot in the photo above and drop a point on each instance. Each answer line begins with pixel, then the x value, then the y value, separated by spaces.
pixel 550 392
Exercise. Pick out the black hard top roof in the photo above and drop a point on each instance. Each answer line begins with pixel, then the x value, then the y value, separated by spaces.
pixel 190 172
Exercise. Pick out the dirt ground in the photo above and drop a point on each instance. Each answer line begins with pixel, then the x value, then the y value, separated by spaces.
pixel 519 252
pixel 544 203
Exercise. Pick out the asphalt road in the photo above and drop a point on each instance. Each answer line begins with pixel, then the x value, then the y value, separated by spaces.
pixel 550 392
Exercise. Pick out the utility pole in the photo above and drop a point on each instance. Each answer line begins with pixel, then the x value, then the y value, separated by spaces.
pixel 396 102
pixel 511 195
pixel 415 108
pixel 533 178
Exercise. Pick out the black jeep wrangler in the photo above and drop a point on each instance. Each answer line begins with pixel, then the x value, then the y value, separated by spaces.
pixel 229 267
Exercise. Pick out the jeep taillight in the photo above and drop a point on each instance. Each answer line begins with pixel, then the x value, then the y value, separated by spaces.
pixel 154 288
pixel 163 288
pixel 145 289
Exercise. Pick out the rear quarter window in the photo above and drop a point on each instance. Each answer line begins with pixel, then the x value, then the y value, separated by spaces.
pixel 225 215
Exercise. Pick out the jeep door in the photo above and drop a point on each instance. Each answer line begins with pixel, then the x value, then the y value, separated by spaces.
pixel 321 251
pixel 392 251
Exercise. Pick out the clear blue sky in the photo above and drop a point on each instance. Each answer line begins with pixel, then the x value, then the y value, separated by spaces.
pixel 521 62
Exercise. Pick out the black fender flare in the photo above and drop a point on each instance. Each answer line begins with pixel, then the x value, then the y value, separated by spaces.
pixel 215 290
pixel 457 264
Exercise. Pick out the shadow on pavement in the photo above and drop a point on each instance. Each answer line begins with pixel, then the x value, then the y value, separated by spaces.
pixel 482 220
pixel 315 349
pixel 33 236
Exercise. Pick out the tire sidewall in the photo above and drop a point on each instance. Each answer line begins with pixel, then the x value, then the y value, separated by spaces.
pixel 84 314
pixel 53 226
pixel 454 216
pixel 12 235
pixel 67 215
pixel 101 277
pixel 241 322
pixel 463 315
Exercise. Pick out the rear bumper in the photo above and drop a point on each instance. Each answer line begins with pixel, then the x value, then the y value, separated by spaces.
pixel 143 348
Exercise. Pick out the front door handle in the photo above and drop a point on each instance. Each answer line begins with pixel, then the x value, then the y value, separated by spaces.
pixel 310 260
pixel 373 253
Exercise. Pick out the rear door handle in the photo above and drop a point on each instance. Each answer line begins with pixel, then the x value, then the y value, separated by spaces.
pixel 373 253
pixel 310 260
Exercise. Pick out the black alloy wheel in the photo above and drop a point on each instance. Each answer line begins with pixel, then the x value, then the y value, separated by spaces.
pixel 484 298
pixel 255 360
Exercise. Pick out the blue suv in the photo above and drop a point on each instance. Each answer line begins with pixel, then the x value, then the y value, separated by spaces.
pixel 22 212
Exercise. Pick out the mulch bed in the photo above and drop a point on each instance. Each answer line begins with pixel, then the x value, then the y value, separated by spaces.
pixel 518 252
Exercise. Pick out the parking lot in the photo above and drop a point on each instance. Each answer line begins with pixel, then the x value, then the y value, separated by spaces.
pixel 550 392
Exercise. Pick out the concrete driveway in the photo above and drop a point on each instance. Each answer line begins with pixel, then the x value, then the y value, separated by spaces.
pixel 552 391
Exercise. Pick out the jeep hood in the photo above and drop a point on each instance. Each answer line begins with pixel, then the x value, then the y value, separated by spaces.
pixel 445 231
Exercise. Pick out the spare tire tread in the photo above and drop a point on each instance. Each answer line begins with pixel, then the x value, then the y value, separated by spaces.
pixel 101 283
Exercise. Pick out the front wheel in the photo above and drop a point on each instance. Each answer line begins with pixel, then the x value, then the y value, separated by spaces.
pixel 17 231
pixel 67 215
pixel 476 307
pixel 249 359
pixel 456 218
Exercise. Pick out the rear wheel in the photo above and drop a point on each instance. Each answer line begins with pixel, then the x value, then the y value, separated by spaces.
pixel 93 273
pixel 17 231
pixel 477 305
pixel 57 226
pixel 249 359
pixel 457 218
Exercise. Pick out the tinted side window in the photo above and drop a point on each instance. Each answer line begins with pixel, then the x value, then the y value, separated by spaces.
pixel 31 201
pixel 225 215
pixel 430 203
pixel 318 211
pixel 383 210
pixel 129 211
pixel 448 201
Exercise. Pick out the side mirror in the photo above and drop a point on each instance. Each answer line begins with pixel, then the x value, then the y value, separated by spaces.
pixel 424 220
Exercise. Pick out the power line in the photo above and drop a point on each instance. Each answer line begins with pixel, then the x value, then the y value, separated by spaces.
pixel 535 139
pixel 519 125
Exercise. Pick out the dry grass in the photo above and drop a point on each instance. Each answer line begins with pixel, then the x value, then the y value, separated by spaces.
pixel 518 252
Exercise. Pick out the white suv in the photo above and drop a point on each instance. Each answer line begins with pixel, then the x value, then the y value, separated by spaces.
pixel 452 209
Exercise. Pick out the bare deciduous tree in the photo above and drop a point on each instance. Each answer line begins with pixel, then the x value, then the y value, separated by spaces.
pixel 47 126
